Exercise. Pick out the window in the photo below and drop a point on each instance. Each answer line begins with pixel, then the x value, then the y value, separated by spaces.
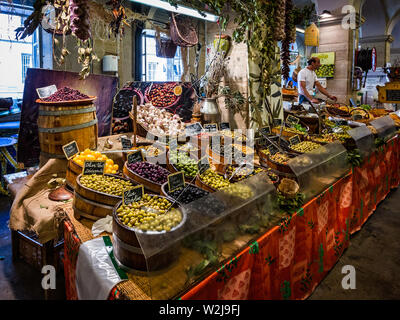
pixel 155 68
pixel 26 63
pixel 15 56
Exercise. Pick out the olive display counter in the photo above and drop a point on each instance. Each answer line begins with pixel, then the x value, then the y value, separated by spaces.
pixel 237 234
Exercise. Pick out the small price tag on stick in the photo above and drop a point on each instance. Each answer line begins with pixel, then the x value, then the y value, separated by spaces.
pixel 266 131
pixel 225 126
pixel 133 195
pixel 211 127
pixel 277 122
pixel 272 150
pixel 294 140
pixel 94 167
pixel 203 165
pixel 46 92
pixel 291 119
pixel 134 157
pixel 70 149
pixel 193 129
pixel 126 143
pixel 176 181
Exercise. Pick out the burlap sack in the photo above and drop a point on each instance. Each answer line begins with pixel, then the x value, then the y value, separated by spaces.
pixel 33 211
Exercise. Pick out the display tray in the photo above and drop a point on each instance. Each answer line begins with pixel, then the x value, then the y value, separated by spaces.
pixel 173 169
pixel 67 103
pixel 147 184
pixel 164 191
pixel 144 131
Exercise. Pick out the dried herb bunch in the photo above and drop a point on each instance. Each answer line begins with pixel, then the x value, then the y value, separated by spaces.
pixel 285 49
pixel 279 33
pixel 212 79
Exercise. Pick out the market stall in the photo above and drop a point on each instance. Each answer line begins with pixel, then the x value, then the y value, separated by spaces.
pixel 157 193
pixel 189 210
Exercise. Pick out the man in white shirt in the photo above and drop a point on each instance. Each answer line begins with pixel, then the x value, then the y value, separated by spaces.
pixel 307 79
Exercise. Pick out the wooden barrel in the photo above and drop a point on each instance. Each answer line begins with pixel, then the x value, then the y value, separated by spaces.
pixel 90 209
pixel 127 249
pixel 148 185
pixel 93 204
pixel 73 171
pixel 62 122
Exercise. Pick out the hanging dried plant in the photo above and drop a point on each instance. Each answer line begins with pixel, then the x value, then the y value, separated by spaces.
pixel 119 17
pixel 285 49
pixel 279 32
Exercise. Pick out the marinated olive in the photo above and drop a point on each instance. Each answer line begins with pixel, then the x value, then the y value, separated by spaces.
pixel 106 184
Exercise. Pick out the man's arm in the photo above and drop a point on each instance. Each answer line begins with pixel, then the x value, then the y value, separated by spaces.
pixel 324 91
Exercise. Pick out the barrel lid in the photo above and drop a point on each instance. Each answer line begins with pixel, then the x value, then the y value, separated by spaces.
pixel 6 141
pixel 66 103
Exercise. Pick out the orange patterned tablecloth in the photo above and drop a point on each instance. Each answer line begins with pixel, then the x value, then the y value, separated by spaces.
pixel 290 260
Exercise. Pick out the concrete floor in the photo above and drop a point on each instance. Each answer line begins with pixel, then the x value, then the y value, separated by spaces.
pixel 374 252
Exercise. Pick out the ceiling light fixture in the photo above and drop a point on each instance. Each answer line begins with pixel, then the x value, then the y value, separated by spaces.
pixel 300 30
pixel 179 9
pixel 326 14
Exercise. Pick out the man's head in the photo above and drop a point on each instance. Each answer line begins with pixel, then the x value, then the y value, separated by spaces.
pixel 314 63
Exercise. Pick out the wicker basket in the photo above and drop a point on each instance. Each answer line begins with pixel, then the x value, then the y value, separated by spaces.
pixel 182 32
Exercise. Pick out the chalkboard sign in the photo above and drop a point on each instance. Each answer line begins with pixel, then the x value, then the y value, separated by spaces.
pixel 126 143
pixel 393 95
pixel 273 150
pixel 225 126
pixel 46 92
pixel 193 129
pixel 133 195
pixel 94 167
pixel 294 140
pixel 203 165
pixel 277 122
pixel 211 127
pixel 291 119
pixel 176 181
pixel 134 157
pixel 265 131
pixel 70 149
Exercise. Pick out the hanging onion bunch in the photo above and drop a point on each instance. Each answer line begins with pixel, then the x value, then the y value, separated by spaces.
pixel 279 32
pixel 285 50
pixel 86 57
pixel 80 27
pixel 61 23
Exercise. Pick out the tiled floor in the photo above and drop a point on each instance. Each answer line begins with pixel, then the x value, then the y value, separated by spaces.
pixel 374 252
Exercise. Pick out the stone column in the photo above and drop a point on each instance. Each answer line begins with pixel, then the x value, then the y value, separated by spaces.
pixel 382 44
pixel 335 38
